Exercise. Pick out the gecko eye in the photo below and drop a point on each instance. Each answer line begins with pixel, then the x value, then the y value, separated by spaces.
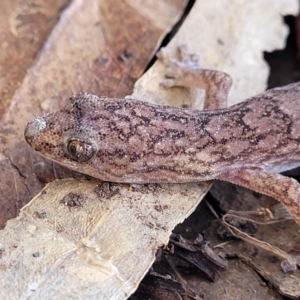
pixel 79 150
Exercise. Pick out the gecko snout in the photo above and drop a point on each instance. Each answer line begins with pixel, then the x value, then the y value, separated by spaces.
pixel 30 132
pixel 33 129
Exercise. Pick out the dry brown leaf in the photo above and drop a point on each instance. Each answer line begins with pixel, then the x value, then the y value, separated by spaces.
pixel 24 28
pixel 93 243
pixel 66 64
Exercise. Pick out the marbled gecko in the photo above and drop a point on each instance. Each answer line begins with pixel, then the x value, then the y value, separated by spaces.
pixel 127 140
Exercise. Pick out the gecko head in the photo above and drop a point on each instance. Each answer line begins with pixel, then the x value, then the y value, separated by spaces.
pixel 64 136
pixel 92 135
pixel 65 147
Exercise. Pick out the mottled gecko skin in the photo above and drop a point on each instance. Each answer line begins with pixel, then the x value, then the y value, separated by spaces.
pixel 126 140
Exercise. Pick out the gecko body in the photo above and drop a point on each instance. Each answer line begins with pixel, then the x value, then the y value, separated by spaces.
pixel 127 140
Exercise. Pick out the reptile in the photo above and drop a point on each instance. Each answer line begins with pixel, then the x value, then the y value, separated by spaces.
pixel 128 140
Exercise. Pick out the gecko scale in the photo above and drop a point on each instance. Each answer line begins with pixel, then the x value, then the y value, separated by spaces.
pixel 127 140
